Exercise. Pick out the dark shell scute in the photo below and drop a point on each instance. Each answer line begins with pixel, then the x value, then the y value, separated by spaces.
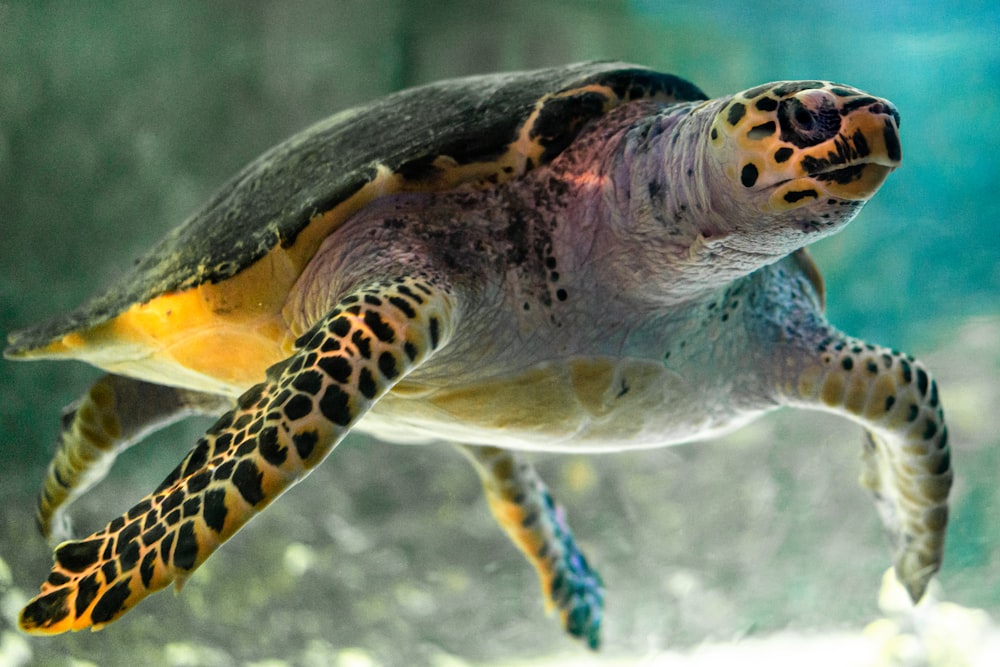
pixel 561 119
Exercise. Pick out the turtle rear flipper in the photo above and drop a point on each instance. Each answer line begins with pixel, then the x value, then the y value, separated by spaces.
pixel 114 414
pixel 279 430
pixel 525 509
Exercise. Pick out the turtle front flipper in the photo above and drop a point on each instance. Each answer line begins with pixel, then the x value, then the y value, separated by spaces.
pixel 115 413
pixel 279 430
pixel 536 524
pixel 907 462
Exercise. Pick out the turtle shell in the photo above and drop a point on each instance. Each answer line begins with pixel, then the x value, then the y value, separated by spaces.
pixel 227 269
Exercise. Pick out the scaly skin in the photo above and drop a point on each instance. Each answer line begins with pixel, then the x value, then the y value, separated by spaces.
pixel 807 363
pixel 277 433
pixel 907 461
pixel 524 508
pixel 114 414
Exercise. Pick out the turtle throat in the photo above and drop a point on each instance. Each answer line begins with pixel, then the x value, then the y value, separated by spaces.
pixel 674 213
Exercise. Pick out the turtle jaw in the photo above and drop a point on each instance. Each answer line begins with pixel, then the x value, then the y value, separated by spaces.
pixel 856 182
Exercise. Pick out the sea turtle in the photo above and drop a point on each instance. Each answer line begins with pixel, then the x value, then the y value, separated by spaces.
pixel 584 258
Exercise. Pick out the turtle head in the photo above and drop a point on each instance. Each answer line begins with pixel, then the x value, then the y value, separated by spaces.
pixel 816 148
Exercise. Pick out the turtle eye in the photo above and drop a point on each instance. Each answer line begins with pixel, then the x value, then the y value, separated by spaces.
pixel 803 119
pixel 808 122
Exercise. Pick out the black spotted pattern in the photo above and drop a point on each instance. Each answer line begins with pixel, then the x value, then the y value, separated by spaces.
pixel 111 603
pixel 896 398
pixel 798 195
pixel 87 593
pixel 278 430
pixel 766 104
pixel 335 405
pixel 736 113
pixel 782 154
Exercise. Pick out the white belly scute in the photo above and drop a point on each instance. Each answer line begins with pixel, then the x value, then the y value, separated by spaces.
pixel 589 404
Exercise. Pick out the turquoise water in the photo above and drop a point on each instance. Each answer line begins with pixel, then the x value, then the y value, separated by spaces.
pixel 117 120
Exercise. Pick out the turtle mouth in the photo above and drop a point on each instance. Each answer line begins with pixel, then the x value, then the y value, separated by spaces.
pixel 855 181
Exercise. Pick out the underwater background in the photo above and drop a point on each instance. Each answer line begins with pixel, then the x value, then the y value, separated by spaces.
pixel 119 119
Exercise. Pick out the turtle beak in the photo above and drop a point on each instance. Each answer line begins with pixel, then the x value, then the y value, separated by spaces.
pixel 867 151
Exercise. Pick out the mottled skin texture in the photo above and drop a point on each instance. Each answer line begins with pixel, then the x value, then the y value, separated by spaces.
pixel 645 287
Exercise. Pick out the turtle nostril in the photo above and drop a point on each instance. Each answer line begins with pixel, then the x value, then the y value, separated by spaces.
pixel 885 108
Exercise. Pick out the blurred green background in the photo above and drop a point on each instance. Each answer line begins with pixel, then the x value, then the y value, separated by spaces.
pixel 118 119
